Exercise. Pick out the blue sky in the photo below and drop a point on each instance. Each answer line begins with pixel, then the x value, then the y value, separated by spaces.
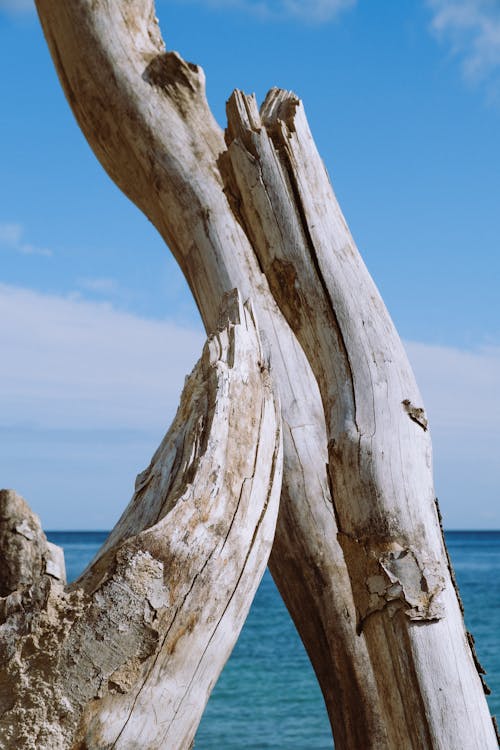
pixel 98 327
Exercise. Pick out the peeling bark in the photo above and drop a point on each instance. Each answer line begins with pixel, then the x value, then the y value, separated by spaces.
pixel 127 655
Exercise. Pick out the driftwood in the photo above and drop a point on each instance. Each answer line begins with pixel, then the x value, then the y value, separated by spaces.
pixel 358 554
pixel 127 655
pixel 379 445
pixel 145 114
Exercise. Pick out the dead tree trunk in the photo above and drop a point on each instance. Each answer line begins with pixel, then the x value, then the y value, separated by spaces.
pixel 379 446
pixel 127 656
pixel 358 554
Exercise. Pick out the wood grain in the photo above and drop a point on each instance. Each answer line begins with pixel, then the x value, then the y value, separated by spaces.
pixel 127 656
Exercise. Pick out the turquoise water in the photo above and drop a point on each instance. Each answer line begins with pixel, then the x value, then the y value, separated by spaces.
pixel 267 695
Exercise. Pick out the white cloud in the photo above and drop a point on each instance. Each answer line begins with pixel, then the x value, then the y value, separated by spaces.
pixel 473 29
pixel 67 358
pixel 461 394
pixel 11 236
pixel 99 285
pixel 460 388
pixel 17 6
pixel 313 11
pixel 73 363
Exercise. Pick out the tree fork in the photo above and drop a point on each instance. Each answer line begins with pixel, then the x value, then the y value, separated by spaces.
pixel 128 654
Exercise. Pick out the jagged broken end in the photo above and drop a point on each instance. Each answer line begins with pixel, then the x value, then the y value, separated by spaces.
pixel 164 603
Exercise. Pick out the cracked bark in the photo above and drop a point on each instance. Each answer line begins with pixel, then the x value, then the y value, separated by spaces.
pixel 379 446
pixel 258 213
pixel 127 655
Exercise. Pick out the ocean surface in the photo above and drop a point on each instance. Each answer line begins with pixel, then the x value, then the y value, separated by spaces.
pixel 267 695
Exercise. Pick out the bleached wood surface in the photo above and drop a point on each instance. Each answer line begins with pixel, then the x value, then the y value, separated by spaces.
pixel 127 656
pixel 145 114
pixel 380 457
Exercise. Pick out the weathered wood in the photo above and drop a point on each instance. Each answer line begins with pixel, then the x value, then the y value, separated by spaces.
pixel 145 114
pixel 379 444
pixel 26 553
pixel 127 656
pixel 382 643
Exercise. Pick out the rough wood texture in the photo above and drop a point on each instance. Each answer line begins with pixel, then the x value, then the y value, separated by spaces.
pixel 379 444
pixel 26 553
pixel 127 656
pixel 145 114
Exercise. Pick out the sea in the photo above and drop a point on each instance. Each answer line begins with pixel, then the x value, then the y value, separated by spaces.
pixel 267 696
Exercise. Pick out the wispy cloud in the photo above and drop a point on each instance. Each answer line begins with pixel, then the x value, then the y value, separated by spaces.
pixel 459 387
pixel 316 10
pixel 17 6
pixel 10 234
pixel 11 237
pixel 81 364
pixel 103 286
pixel 472 27
pixel 460 392
pixel 86 394
pixel 73 364
pixel 311 11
